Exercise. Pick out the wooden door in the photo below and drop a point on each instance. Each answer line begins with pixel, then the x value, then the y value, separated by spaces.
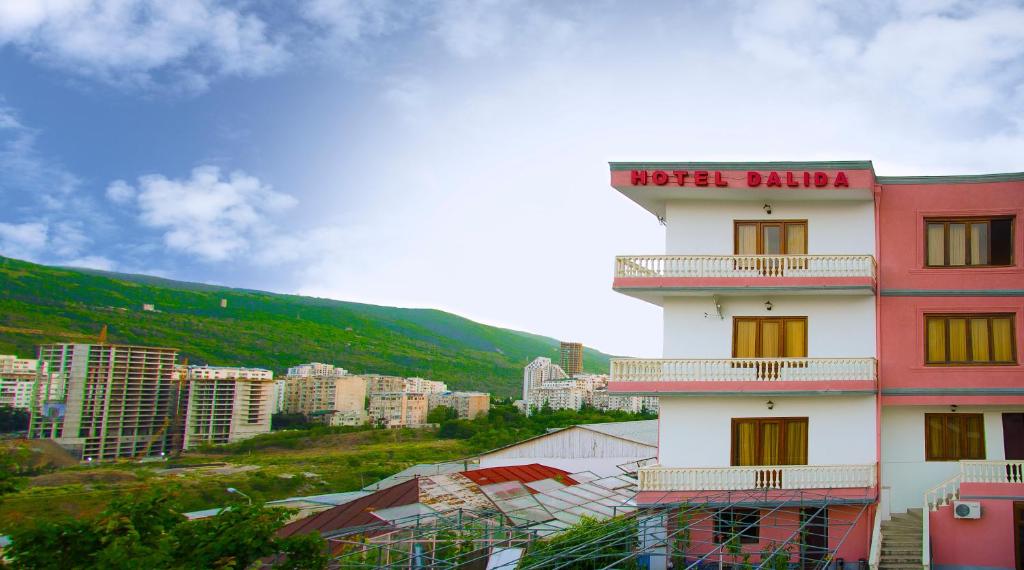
pixel 1018 533
pixel 1013 436
pixel 769 337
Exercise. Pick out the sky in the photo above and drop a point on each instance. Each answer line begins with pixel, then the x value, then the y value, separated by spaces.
pixel 453 154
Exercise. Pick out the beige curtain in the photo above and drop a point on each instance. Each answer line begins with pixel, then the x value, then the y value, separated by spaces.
pixel 770 441
pixel 974 430
pixel 795 238
pixel 746 443
pixel 979 340
pixel 979 243
pixel 770 339
pixel 936 340
pixel 796 338
pixel 953 448
pixel 957 340
pixel 957 244
pixel 771 239
pixel 796 442
pixel 934 427
pixel 936 244
pixel 746 338
pixel 746 239
pixel 1002 339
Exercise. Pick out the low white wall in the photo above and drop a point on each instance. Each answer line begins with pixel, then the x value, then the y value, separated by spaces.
pixel 904 469
pixel 697 431
pixel 834 227
pixel 837 325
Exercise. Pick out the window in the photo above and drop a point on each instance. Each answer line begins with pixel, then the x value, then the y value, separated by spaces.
pixel 966 339
pixel 969 242
pixel 760 337
pixel 737 521
pixel 769 441
pixel 952 437
pixel 770 238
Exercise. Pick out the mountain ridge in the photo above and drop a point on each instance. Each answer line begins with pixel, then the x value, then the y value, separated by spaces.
pixel 40 304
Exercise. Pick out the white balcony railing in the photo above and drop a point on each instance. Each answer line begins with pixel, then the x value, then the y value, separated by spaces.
pixel 745 266
pixel 756 477
pixel 742 369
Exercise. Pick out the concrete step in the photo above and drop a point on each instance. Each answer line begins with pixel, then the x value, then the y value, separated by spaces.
pixel 901 559
pixel 901 549
pixel 901 566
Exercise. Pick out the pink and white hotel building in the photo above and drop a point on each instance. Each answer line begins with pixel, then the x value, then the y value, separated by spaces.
pixel 841 353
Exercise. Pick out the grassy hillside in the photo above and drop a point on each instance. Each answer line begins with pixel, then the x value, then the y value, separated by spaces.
pixel 40 304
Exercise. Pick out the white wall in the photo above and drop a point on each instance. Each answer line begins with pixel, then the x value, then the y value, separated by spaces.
pixel 706 227
pixel 837 326
pixel 904 469
pixel 697 432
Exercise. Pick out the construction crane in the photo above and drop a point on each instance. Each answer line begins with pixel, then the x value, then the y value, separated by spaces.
pixel 171 420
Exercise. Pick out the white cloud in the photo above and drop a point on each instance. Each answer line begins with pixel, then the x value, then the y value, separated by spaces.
pixel 24 241
pixel 209 215
pixel 120 192
pixel 92 262
pixel 142 43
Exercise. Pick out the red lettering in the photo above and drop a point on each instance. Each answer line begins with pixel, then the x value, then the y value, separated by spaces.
pixel 719 181
pixel 700 177
pixel 841 180
pixel 659 177
pixel 773 180
pixel 638 178
pixel 680 176
pixel 820 179
pixel 807 179
pixel 790 180
pixel 753 178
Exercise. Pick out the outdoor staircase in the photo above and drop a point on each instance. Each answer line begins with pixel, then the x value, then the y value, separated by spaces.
pixel 901 541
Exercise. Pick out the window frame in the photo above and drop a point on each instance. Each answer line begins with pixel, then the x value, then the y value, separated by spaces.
pixel 783 427
pixel 760 235
pixel 737 519
pixel 963 436
pixel 945 221
pixel 782 333
pixel 970 348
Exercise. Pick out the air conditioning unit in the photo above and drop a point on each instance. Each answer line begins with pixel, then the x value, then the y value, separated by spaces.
pixel 966 510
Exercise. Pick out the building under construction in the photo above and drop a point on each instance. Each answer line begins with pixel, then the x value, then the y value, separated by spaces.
pixel 227 404
pixel 572 357
pixel 105 401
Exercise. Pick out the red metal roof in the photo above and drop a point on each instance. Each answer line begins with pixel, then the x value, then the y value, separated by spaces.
pixel 357 513
pixel 522 473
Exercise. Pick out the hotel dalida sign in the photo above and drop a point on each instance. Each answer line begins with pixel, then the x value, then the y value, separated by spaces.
pixel 753 179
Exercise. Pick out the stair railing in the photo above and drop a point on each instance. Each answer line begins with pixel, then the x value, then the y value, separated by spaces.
pixel 938 496
pixel 875 555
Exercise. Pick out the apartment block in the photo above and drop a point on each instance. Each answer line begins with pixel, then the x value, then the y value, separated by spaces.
pixel 316 396
pixel 227 404
pixel 424 386
pixel 380 383
pixel 571 357
pixel 316 369
pixel 468 405
pixel 18 380
pixel 841 355
pixel 277 396
pixel 538 372
pixel 106 401
pixel 398 409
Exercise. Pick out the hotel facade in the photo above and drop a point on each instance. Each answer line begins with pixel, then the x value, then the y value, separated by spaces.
pixel 841 374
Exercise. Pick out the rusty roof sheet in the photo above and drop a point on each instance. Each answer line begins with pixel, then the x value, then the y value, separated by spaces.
pixel 356 513
pixel 522 473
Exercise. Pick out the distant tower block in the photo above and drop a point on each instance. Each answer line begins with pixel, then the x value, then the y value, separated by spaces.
pixel 572 358
pixel 223 303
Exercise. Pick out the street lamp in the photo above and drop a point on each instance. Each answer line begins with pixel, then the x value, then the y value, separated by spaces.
pixel 237 492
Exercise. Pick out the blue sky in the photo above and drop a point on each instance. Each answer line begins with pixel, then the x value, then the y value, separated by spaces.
pixel 453 154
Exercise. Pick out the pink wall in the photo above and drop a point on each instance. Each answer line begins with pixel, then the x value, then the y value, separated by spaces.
pixel 902 359
pixel 985 542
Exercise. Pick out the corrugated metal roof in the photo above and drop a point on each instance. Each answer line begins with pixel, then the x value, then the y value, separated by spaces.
pixel 643 431
pixel 357 513
pixel 521 473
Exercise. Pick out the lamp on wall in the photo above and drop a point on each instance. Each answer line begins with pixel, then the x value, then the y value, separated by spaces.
pixel 768 305
pixel 770 404
pixel 767 208
pixel 952 408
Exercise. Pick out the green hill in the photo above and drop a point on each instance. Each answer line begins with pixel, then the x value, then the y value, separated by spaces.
pixel 41 304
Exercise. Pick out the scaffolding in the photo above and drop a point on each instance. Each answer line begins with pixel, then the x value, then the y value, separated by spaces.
pixel 542 530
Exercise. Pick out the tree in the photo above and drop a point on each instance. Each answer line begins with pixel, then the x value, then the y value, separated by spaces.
pixel 13 419
pixel 441 414
pixel 150 532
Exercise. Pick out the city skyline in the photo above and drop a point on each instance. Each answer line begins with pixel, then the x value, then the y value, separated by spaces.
pixel 434 155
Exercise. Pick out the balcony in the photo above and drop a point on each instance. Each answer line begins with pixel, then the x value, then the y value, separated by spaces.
pixel 655 276
pixel 743 376
pixel 761 477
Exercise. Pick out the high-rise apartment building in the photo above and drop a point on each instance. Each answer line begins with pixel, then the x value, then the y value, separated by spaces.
pixel 105 401
pixel 841 374
pixel 571 357
pixel 316 369
pixel 227 404
pixel 468 405
pixel 321 397
pixel 398 409
pixel 538 372
pixel 18 378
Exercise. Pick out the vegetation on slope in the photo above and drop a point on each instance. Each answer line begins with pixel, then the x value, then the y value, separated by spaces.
pixel 40 304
